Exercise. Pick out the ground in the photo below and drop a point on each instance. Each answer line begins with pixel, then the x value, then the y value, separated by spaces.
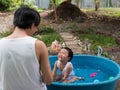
pixel 111 28
pixel 108 28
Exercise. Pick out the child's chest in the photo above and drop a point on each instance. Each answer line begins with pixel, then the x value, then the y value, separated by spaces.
pixel 62 67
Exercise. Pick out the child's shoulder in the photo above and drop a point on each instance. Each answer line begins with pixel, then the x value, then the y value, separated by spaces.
pixel 57 62
pixel 69 63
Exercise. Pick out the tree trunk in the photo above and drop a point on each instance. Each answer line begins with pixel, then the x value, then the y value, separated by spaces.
pixel 77 3
pixel 110 3
pixel 97 5
pixel 54 3
pixel 81 3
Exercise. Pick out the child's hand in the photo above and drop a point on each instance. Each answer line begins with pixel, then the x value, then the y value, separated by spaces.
pixel 58 78
pixel 63 79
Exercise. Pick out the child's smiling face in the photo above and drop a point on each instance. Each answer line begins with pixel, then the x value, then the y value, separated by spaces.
pixel 63 55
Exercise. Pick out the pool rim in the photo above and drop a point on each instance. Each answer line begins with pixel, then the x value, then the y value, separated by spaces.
pixel 91 84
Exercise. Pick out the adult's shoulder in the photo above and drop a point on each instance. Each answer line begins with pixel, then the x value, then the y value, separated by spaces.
pixel 40 43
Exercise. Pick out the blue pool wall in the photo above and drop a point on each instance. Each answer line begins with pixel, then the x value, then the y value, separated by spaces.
pixel 104 64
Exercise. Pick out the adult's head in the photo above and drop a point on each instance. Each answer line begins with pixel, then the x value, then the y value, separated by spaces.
pixel 25 17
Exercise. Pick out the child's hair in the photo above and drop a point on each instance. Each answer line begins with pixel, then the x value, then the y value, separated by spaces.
pixel 70 53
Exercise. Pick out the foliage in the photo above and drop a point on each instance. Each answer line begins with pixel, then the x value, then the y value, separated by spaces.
pixel 58 2
pixel 29 3
pixel 47 34
pixel 4 34
pixel 47 30
pixel 9 4
pixel 98 39
pixel 5 4
pixel 73 26
pixel 106 54
pixel 94 38
pixel 49 38
pixel 105 11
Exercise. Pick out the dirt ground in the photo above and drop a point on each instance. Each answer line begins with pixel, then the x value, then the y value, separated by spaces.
pixel 111 28
pixel 114 29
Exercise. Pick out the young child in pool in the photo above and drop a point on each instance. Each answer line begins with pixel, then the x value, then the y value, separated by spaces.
pixel 65 67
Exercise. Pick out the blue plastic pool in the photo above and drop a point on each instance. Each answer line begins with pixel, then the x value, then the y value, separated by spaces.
pixel 107 73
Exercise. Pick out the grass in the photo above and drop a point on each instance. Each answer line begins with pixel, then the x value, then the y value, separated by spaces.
pixel 95 39
pixel 112 12
pixel 49 38
pixel 4 34
pixel 46 33
pixel 98 40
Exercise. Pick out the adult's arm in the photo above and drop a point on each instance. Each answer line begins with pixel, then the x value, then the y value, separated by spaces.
pixel 42 55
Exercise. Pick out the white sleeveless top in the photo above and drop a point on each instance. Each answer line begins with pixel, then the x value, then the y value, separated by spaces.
pixel 65 68
pixel 19 67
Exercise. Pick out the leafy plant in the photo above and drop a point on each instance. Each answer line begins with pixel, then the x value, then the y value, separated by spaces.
pixel 47 34
pixel 4 34
pixel 97 39
pixel 48 39
pixel 72 26
pixel 47 30
pixel 5 4
pixel 9 4
pixel 58 2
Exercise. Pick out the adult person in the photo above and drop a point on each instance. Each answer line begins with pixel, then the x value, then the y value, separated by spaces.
pixel 24 63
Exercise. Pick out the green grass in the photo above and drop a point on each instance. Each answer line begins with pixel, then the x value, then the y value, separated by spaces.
pixel 4 34
pixel 49 38
pixel 98 40
pixel 89 33
pixel 112 12
pixel 47 34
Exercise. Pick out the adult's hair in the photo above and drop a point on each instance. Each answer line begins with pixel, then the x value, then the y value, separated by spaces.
pixel 24 17
pixel 70 53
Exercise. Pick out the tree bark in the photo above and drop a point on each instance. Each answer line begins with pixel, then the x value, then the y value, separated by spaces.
pixel 54 3
pixel 77 3
pixel 97 5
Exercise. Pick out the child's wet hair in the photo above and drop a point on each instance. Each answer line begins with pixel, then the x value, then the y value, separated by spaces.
pixel 70 52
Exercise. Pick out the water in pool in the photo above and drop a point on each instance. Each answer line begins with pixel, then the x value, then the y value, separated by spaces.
pixel 90 74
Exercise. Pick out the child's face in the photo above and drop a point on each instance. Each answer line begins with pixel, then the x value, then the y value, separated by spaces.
pixel 63 55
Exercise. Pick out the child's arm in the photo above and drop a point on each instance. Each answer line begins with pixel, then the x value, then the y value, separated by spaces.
pixel 54 69
pixel 67 72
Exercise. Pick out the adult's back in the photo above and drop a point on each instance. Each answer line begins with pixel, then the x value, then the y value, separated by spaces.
pixel 24 63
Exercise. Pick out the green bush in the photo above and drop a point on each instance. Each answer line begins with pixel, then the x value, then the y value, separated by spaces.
pixel 4 34
pixel 5 4
pixel 47 34
pixel 9 4
pixel 48 39
pixel 47 30
pixel 98 40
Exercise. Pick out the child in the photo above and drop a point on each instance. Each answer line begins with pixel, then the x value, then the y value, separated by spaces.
pixel 65 66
